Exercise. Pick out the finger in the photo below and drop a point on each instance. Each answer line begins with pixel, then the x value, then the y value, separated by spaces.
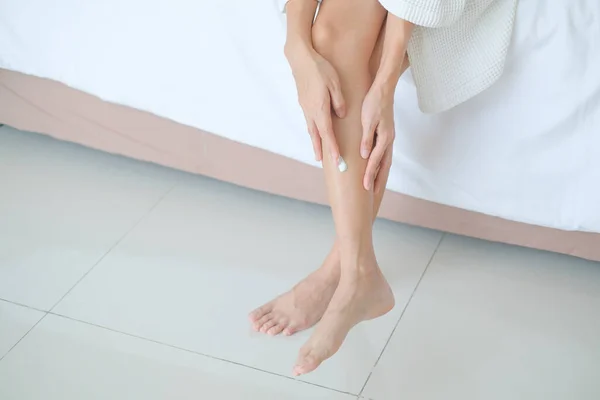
pixel 373 164
pixel 337 98
pixel 367 137
pixel 316 140
pixel 384 170
pixel 326 131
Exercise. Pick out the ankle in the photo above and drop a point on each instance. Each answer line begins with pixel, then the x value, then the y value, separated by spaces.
pixel 361 261
pixel 330 269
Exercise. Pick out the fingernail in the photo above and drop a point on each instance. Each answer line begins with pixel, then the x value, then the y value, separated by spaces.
pixel 342 166
pixel 364 152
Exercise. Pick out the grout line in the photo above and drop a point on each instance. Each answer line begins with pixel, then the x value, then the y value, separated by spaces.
pixel 198 353
pixel 23 337
pixel 403 311
pixel 23 305
pixel 135 225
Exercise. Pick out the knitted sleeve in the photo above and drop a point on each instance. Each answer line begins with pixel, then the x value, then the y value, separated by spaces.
pixel 427 13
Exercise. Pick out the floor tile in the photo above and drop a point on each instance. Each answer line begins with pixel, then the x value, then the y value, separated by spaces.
pixel 210 252
pixel 63 359
pixel 62 207
pixel 491 321
pixel 15 322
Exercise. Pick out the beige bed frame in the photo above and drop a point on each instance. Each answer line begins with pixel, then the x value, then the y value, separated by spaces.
pixel 45 106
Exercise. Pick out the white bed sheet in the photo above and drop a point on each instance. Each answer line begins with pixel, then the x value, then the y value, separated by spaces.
pixel 528 149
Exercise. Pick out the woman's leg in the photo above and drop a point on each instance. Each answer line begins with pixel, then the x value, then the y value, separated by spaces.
pixel 304 305
pixel 345 33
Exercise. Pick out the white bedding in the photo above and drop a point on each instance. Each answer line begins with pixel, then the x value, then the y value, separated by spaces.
pixel 528 149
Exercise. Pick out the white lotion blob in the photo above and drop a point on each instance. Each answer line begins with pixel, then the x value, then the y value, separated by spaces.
pixel 342 166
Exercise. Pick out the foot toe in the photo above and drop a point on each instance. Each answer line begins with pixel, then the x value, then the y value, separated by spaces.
pixel 260 312
pixel 275 330
pixel 290 330
pixel 268 325
pixel 306 365
pixel 307 361
pixel 263 320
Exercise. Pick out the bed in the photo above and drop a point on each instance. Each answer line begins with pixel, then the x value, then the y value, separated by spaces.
pixel 203 87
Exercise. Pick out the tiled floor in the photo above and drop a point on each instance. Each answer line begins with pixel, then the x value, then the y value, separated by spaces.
pixel 123 280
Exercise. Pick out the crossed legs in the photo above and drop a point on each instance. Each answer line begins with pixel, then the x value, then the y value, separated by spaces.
pixel 349 287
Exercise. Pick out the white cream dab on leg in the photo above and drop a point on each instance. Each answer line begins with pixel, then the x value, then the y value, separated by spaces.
pixel 342 166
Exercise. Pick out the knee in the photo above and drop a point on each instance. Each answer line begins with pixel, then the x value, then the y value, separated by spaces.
pixel 324 35
pixel 329 38
pixel 340 44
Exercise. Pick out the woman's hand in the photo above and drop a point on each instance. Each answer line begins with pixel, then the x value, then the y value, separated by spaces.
pixel 378 134
pixel 319 91
pixel 378 106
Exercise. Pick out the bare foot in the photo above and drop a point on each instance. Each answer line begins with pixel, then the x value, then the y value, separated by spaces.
pixel 304 305
pixel 360 296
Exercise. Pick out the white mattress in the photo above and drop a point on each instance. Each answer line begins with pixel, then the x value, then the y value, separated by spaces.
pixel 528 149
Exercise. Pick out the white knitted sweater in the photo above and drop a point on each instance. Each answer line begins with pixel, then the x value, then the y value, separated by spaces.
pixel 458 47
